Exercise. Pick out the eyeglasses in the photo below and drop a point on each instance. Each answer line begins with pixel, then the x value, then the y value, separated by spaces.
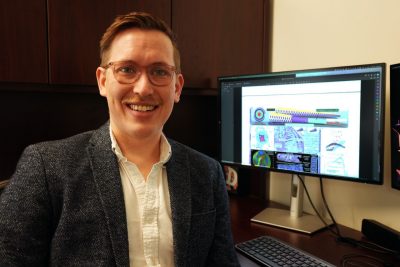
pixel 127 72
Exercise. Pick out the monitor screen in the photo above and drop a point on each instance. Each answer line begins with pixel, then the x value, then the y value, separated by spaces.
pixel 324 122
pixel 395 123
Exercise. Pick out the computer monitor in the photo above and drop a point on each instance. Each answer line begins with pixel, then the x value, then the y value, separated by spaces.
pixel 395 123
pixel 325 122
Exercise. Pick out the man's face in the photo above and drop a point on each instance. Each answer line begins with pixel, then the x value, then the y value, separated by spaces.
pixel 139 110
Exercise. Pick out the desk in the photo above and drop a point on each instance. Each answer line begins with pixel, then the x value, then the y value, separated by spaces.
pixel 321 244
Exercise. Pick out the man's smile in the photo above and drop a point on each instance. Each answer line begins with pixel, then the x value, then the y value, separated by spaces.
pixel 142 108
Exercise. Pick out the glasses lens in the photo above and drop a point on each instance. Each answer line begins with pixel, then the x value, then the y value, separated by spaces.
pixel 160 74
pixel 125 72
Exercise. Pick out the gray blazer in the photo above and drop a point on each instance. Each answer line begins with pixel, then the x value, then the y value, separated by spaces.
pixel 64 206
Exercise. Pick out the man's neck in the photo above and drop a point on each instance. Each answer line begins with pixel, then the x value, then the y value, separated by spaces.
pixel 144 153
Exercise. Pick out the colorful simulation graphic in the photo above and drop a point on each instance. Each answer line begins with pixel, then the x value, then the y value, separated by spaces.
pixel 328 117
pixel 291 139
pixel 261 158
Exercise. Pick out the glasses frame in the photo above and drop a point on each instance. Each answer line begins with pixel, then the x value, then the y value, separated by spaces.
pixel 112 65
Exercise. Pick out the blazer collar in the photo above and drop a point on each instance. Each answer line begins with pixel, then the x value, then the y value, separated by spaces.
pixel 180 195
pixel 108 184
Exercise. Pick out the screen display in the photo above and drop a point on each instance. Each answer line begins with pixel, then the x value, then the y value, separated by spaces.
pixel 395 123
pixel 321 122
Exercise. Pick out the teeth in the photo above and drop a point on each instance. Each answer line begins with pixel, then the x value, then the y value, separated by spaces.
pixel 141 107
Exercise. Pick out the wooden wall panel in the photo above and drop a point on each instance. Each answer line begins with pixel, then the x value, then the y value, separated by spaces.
pixel 23 41
pixel 219 38
pixel 75 29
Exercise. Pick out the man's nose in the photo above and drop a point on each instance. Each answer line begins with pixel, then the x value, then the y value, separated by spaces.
pixel 143 86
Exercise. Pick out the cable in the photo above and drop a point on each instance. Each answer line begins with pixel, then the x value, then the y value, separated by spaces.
pixel 363 260
pixel 327 207
pixel 312 204
pixel 350 258
pixel 363 244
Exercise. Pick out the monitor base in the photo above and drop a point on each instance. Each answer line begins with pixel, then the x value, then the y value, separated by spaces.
pixel 306 223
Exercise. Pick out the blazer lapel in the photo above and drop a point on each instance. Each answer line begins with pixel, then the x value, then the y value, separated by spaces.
pixel 108 182
pixel 180 195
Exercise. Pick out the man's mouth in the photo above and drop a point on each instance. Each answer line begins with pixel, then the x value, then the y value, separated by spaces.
pixel 142 108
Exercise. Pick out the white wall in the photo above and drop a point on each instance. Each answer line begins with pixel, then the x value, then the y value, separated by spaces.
pixel 325 33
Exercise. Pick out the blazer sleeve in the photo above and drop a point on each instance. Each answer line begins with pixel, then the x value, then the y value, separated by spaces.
pixel 222 252
pixel 25 214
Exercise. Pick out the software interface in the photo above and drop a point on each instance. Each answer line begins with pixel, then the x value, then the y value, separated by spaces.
pixel 312 122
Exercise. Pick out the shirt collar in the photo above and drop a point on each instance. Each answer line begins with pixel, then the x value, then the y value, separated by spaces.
pixel 165 149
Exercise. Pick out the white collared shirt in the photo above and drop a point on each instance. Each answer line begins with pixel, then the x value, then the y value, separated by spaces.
pixel 148 210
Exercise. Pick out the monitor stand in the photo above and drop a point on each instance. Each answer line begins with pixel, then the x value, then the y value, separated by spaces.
pixel 293 219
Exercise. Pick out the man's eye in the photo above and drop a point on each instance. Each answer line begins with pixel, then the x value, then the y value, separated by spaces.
pixel 126 69
pixel 160 72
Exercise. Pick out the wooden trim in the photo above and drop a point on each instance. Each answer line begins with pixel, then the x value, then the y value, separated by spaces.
pixel 267 38
pixel 46 88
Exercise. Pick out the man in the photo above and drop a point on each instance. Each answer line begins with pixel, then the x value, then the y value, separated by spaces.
pixel 122 195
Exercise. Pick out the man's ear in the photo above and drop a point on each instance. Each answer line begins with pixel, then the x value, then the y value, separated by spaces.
pixel 178 87
pixel 101 80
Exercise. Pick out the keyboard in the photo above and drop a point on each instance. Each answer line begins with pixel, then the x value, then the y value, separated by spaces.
pixel 269 251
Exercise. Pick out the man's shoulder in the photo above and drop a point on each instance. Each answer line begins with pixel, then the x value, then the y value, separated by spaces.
pixel 68 142
pixel 100 134
pixel 191 154
pixel 74 145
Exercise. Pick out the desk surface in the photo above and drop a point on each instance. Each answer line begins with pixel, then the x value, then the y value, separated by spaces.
pixel 321 244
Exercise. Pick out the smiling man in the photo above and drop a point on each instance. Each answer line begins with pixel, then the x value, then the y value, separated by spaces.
pixel 124 194
pixel 141 84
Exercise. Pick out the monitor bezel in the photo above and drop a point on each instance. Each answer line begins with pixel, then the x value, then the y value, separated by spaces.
pixel 291 72
pixel 394 183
